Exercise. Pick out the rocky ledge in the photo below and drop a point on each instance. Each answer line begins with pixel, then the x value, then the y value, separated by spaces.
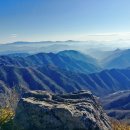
pixel 41 110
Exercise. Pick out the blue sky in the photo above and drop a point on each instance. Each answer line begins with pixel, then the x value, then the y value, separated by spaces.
pixel 39 20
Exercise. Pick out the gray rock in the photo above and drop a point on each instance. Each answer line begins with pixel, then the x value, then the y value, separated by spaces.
pixel 41 110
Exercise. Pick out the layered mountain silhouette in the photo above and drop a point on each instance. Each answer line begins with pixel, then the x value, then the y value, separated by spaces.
pixel 66 71
pixel 60 81
pixel 69 60
pixel 118 59
pixel 43 71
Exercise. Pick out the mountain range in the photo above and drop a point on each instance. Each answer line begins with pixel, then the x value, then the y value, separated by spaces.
pixel 117 59
pixel 117 105
pixel 69 71
pixel 68 60
pixel 66 71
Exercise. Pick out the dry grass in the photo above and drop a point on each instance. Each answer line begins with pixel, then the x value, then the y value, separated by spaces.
pixel 5 115
pixel 116 125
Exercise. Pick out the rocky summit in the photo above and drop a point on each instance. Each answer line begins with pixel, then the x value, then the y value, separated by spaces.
pixel 41 110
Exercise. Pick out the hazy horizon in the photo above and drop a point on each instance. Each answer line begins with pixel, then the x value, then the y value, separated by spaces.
pixel 81 20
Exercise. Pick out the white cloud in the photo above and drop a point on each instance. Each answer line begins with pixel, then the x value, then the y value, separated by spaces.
pixel 13 35
pixel 97 37
pixel 124 36
pixel 8 39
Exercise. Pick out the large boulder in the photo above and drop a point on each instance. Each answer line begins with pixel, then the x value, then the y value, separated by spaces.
pixel 41 110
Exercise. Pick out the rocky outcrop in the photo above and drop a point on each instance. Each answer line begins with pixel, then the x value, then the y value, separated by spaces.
pixel 41 110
